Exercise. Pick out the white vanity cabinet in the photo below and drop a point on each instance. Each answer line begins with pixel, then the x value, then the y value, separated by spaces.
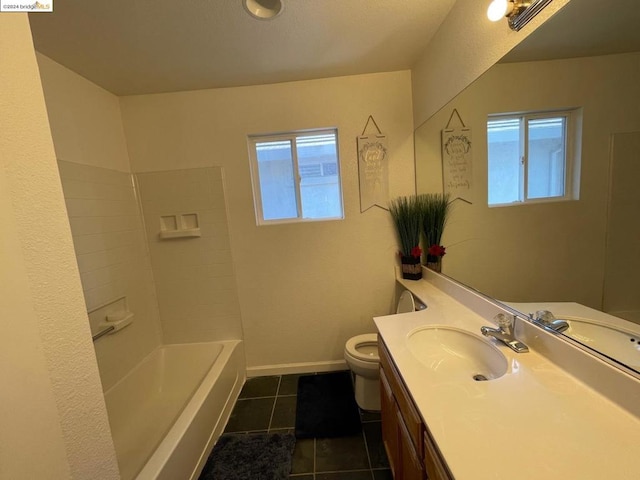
pixel 412 453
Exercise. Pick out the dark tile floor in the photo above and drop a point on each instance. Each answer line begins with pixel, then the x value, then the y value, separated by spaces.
pixel 268 404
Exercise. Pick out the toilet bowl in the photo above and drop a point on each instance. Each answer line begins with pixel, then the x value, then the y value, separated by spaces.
pixel 361 354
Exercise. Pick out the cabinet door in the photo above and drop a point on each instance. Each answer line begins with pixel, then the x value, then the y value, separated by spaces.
pixel 412 419
pixel 411 465
pixel 433 463
pixel 390 432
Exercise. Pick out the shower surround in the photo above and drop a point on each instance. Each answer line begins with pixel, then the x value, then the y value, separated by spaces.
pixel 182 293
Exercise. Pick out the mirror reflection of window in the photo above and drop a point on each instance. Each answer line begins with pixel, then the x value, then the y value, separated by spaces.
pixel 505 170
pixel 529 157
pixel 546 153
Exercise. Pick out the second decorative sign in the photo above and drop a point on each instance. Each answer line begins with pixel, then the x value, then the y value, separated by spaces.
pixel 457 173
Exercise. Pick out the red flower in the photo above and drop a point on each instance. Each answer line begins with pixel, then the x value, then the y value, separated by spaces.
pixel 436 251
pixel 416 252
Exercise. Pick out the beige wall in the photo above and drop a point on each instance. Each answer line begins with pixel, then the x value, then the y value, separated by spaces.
pixel 465 46
pixel 622 260
pixel 85 119
pixel 54 420
pixel 304 289
pixel 558 247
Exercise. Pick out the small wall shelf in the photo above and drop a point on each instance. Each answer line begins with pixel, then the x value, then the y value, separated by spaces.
pixel 182 225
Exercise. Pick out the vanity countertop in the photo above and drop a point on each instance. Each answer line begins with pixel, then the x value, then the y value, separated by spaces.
pixel 535 422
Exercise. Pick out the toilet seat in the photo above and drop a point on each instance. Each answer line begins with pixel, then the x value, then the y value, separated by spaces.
pixel 361 355
pixel 406 303
pixel 363 347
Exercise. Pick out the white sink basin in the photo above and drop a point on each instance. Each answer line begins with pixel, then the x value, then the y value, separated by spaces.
pixel 615 342
pixel 456 353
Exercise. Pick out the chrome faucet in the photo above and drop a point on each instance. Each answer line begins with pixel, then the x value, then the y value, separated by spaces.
pixel 505 333
pixel 549 321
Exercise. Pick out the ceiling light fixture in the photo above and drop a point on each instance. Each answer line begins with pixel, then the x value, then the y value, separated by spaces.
pixel 263 9
pixel 518 12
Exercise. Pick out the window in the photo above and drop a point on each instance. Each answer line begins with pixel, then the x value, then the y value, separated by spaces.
pixel 530 157
pixel 296 176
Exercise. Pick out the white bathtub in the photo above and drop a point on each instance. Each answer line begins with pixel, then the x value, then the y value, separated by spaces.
pixel 167 413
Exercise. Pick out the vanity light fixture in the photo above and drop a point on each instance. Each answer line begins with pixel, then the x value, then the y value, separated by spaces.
pixel 263 9
pixel 518 12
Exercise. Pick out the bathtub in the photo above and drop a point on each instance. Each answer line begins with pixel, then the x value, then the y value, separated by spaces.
pixel 167 413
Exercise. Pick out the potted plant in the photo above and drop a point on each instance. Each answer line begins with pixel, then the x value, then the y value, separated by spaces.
pixel 435 208
pixel 407 218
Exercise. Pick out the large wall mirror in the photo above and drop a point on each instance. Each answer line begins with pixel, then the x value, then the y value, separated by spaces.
pixel 578 258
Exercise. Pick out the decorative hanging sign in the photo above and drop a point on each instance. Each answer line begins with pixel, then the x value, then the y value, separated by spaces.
pixel 373 171
pixel 457 173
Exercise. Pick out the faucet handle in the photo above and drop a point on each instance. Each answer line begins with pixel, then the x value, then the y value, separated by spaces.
pixel 544 316
pixel 503 321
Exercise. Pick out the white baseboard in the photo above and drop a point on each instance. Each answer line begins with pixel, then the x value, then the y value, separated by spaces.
pixel 291 368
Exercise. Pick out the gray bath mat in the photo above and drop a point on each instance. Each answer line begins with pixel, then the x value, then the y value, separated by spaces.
pixel 250 456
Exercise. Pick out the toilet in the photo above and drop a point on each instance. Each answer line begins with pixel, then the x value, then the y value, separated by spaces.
pixel 361 354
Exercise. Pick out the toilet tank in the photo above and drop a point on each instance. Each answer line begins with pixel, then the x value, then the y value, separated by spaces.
pixel 408 303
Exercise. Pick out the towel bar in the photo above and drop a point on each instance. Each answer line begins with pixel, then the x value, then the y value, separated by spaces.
pixel 102 333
